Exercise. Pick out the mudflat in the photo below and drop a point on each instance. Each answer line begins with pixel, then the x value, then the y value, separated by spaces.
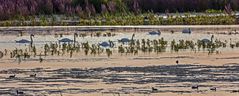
pixel 122 74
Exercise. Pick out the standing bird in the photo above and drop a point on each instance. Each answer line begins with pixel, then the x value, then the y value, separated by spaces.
pixel 12 76
pixel 177 61
pixel 31 39
pixel 154 89
pixel 213 89
pixel 195 87
pixel 33 75
pixel 132 38
pixel 75 35
pixel 19 92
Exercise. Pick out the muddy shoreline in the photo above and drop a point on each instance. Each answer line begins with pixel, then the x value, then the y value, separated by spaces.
pixel 166 78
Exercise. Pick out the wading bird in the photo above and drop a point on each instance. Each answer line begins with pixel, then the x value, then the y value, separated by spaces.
pixel 195 87
pixel 19 92
pixel 213 89
pixel 75 35
pixel 177 61
pixel 33 75
pixel 154 89
pixel 12 76
pixel 31 42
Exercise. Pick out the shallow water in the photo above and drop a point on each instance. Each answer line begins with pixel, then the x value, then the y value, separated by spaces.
pixel 169 79
pixel 9 41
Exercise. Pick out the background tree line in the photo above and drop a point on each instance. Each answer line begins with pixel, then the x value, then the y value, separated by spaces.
pixel 85 8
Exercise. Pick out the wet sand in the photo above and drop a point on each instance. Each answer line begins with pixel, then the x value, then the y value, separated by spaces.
pixel 169 79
